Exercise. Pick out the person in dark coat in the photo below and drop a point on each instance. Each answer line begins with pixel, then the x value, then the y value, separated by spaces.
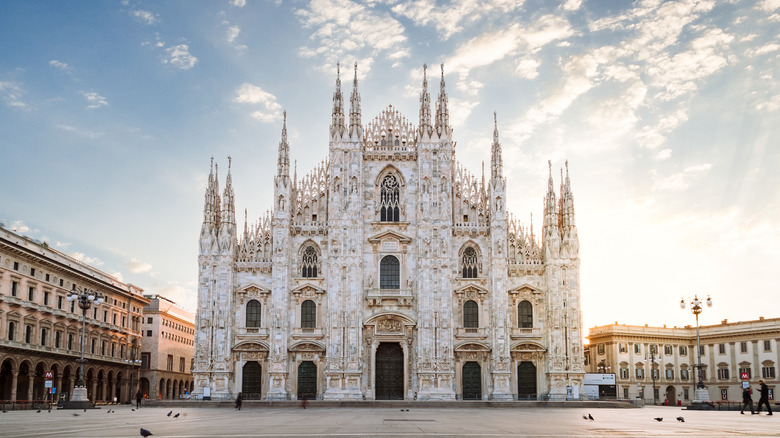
pixel 239 399
pixel 138 398
pixel 747 400
pixel 764 399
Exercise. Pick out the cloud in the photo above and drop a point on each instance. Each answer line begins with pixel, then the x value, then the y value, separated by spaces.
pixel 118 275
pixel 571 5
pixel 447 19
pixel 18 226
pixel 179 56
pixel 59 244
pixel 11 94
pixel 681 181
pixel 92 261
pixel 231 33
pixel 347 30
pixel 254 95
pixel 136 266
pixel 59 65
pixel 145 17
pixel 238 3
pixel 94 100
pixel 769 5
pixel 490 47
pixel 80 131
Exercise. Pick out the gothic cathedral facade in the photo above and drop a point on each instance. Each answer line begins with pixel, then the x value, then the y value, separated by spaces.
pixel 389 272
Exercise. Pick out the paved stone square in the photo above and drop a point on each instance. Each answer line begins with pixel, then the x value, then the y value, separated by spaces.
pixel 385 422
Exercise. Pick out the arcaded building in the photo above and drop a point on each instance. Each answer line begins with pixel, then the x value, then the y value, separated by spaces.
pixel 389 271
pixel 40 330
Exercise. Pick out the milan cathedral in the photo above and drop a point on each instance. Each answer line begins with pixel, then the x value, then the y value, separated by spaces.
pixel 389 272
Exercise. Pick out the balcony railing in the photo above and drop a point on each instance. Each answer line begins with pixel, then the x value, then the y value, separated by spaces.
pixel 471 333
pixel 525 333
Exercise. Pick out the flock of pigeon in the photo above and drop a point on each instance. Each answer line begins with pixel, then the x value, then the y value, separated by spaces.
pixel 658 419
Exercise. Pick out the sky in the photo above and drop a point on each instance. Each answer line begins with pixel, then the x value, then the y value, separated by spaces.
pixel 667 112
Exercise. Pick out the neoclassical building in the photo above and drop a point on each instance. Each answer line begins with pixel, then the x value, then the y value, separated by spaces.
pixel 166 353
pixel 388 272
pixel 40 330
pixel 663 360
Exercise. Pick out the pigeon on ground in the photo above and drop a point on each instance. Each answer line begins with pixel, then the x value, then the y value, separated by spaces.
pixel 132 409
pixel 659 419
pixel 407 410
pixel 169 413
pixel 590 417
pixel 75 414
pixel 145 433
pixel 585 417
pixel 38 411
pixel 681 419
pixel 85 410
pixel 176 416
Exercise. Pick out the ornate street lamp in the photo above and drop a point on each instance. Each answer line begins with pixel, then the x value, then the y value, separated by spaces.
pixel 653 362
pixel 132 363
pixel 700 395
pixel 603 368
pixel 85 299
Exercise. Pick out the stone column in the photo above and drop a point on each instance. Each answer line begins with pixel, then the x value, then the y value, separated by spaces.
pixel 94 390
pixel 71 385
pixel 14 382
pixel 58 385
pixel 105 391
pixel 31 380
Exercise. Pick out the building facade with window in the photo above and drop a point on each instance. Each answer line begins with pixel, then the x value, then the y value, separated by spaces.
pixel 633 353
pixel 167 349
pixel 389 272
pixel 40 330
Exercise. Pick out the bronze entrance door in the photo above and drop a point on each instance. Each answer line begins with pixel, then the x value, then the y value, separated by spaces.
pixel 307 380
pixel 472 381
pixel 251 380
pixel 526 381
pixel 389 371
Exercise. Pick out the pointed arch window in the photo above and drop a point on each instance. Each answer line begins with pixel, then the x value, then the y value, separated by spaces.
pixel 470 314
pixel 389 273
pixel 253 308
pixel 389 199
pixel 308 314
pixel 470 263
pixel 309 263
pixel 525 314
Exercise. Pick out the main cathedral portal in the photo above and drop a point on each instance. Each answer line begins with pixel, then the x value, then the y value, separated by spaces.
pixel 389 371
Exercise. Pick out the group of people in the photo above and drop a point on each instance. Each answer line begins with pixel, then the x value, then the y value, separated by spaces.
pixel 747 399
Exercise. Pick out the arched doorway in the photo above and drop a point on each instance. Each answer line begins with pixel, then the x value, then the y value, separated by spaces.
pixel 472 381
pixel 144 387
pixel 38 382
pixel 526 381
pixel 671 395
pixel 23 381
pixel 389 371
pixel 251 381
pixel 6 379
pixel 307 380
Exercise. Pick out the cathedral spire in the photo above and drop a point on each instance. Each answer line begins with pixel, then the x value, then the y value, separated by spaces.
pixel 426 129
pixel 337 122
pixel 283 165
pixel 228 205
pixel 354 110
pixel 496 161
pixel 550 204
pixel 567 200
pixel 442 113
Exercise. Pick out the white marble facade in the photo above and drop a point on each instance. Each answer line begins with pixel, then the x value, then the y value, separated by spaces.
pixel 389 272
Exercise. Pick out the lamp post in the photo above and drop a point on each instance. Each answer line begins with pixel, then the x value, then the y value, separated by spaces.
pixel 603 368
pixel 132 363
pixel 85 299
pixel 653 361
pixel 700 395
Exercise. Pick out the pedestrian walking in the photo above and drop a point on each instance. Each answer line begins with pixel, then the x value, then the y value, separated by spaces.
pixel 747 400
pixel 764 399
pixel 239 399
pixel 138 398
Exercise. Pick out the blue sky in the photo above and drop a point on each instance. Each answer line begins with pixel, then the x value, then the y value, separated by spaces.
pixel 666 111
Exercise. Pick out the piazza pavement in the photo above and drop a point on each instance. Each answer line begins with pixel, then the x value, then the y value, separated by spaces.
pixel 294 421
